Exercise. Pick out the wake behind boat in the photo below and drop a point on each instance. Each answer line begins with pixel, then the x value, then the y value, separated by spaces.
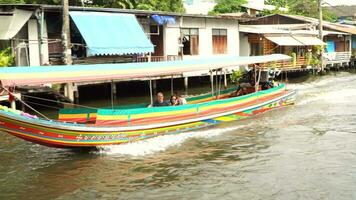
pixel 110 126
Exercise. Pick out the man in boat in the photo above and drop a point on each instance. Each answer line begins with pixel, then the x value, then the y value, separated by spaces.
pixel 246 82
pixel 159 102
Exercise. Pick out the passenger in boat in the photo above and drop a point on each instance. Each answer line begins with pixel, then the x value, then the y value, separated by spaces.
pixel 181 100
pixel 247 81
pixel 159 102
pixel 174 100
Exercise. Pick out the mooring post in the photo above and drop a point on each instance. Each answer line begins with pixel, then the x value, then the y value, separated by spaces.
pixel 186 85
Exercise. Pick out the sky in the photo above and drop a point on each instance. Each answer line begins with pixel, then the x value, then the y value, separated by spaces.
pixel 341 2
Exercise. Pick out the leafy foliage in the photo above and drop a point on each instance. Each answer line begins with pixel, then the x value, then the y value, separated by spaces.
pixel 228 6
pixel 307 8
pixel 236 76
pixel 161 5
pixel 6 59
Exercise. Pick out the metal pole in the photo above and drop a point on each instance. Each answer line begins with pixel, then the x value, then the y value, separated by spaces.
pixel 225 80
pixel 212 82
pixel 320 9
pixel 66 34
pixel 220 77
pixel 151 92
pixel 172 90
pixel 113 93
pixel 181 38
pixel 186 85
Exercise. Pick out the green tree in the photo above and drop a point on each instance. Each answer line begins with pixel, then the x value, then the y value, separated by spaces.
pixel 228 6
pixel 161 5
pixel 6 59
pixel 307 8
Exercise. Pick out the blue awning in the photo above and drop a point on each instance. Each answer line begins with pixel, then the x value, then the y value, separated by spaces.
pixel 111 33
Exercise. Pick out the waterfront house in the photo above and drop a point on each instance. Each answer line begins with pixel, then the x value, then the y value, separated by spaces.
pixel 118 36
pixel 106 35
pixel 296 35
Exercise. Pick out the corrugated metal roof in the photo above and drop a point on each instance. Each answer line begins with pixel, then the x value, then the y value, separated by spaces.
pixel 326 24
pixel 111 33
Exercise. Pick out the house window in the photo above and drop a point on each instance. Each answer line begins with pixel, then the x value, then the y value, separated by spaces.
pixel 190 41
pixel 219 41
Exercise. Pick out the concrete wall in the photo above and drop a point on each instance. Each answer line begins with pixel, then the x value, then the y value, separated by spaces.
pixel 205 26
pixel 33 46
pixel 245 48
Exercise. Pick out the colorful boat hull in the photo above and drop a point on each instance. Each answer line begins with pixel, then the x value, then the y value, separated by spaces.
pixel 111 129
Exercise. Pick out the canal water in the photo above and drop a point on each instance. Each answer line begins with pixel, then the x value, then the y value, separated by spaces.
pixel 306 151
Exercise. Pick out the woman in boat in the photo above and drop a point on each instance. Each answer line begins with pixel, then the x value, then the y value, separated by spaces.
pixel 174 101
pixel 181 100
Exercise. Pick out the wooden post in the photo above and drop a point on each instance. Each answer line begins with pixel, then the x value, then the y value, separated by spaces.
pixel 181 38
pixel 186 85
pixel 67 54
pixel 321 34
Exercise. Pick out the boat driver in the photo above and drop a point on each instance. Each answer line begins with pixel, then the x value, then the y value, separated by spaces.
pixel 160 100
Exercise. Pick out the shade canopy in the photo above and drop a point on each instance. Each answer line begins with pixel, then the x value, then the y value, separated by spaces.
pixel 12 22
pixel 295 40
pixel 310 41
pixel 11 76
pixel 284 40
pixel 111 33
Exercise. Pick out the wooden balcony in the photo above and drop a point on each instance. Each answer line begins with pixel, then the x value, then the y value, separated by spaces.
pixel 300 65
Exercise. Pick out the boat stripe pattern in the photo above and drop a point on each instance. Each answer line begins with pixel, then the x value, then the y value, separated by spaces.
pixel 69 135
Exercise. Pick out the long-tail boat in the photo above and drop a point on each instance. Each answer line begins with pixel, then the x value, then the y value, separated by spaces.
pixel 78 128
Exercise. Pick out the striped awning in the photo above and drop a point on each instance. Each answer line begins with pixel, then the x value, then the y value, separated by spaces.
pixel 11 76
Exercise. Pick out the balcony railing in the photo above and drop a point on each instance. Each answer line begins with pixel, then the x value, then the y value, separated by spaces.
pixel 300 63
pixel 157 58
pixel 336 57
